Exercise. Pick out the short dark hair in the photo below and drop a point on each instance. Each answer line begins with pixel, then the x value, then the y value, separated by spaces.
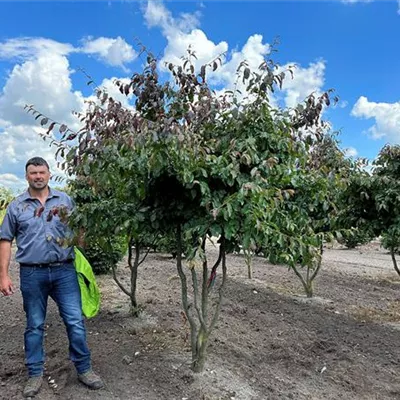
pixel 36 161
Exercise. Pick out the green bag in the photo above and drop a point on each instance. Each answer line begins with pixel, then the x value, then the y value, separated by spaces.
pixel 90 293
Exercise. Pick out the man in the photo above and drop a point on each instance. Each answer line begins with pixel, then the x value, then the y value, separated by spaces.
pixel 36 220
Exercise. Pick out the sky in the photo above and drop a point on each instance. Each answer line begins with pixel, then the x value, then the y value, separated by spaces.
pixel 351 46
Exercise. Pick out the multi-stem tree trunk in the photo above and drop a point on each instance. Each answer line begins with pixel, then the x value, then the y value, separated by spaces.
pixel 311 274
pixel 134 262
pixel 200 322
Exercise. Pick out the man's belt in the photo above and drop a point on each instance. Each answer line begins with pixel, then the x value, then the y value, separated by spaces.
pixel 48 265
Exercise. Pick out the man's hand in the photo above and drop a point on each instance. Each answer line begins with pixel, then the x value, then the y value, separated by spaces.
pixel 6 286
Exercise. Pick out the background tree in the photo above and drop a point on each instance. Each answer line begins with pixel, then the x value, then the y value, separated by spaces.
pixel 109 209
pixel 313 204
pixel 386 194
pixel 371 203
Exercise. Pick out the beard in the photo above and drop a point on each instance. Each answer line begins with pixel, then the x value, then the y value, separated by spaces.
pixel 38 185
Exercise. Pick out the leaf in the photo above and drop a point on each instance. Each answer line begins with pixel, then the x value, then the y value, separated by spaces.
pixel 63 128
pixel 203 72
pixel 51 127
pixel 339 236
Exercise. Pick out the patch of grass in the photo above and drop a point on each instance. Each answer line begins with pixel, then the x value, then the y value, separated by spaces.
pixel 390 313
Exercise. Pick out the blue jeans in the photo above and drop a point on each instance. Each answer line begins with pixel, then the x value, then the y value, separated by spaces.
pixel 61 284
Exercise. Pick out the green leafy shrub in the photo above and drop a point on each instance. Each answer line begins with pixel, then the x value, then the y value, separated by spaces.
pixel 391 239
pixel 356 237
pixel 103 260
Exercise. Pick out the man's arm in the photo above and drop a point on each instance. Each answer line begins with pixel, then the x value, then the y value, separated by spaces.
pixel 6 286
pixel 7 233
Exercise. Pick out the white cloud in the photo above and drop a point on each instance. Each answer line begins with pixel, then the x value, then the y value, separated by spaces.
pixel 306 81
pixel 253 52
pixel 42 77
pixel 350 152
pixel 205 49
pixel 115 52
pixel 180 36
pixel 112 51
pixel 386 115
pixel 19 143
pixel 109 86
pixel 157 15
pixel 29 47
pixel 182 33
pixel 44 82
pixel 11 180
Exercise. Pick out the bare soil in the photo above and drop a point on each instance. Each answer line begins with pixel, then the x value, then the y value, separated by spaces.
pixel 270 343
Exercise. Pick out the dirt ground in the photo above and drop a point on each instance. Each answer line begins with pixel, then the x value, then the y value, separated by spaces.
pixel 270 342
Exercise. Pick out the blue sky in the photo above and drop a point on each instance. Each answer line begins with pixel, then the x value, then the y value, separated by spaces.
pixel 352 46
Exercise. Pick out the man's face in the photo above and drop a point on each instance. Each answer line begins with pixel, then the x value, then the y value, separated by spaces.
pixel 37 176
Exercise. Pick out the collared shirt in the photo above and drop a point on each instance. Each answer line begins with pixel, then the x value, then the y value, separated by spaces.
pixel 40 234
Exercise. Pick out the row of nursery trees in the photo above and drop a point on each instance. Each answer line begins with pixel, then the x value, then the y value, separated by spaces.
pixel 185 165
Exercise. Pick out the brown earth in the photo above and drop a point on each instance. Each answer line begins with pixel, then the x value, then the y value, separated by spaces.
pixel 270 343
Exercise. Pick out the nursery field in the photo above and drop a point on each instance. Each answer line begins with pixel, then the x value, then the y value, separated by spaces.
pixel 271 342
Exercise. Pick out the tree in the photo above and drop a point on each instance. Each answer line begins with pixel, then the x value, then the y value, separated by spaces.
pixel 373 201
pixel 108 207
pixel 312 209
pixel 386 194
pixel 190 164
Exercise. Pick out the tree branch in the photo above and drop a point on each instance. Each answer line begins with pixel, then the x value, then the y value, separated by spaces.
pixel 300 277
pixel 145 256
pixel 321 250
pixel 222 256
pixel 393 255
pixel 204 289
pixel 196 296
pixel 117 281
pixel 185 304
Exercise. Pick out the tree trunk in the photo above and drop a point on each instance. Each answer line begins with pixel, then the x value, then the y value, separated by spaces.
pixel 134 273
pixel 197 313
pixel 199 362
pixel 184 293
pixel 249 262
pixel 393 254
pixel 308 283
pixel 309 288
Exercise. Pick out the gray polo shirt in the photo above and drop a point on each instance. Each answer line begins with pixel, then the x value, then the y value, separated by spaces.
pixel 40 234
